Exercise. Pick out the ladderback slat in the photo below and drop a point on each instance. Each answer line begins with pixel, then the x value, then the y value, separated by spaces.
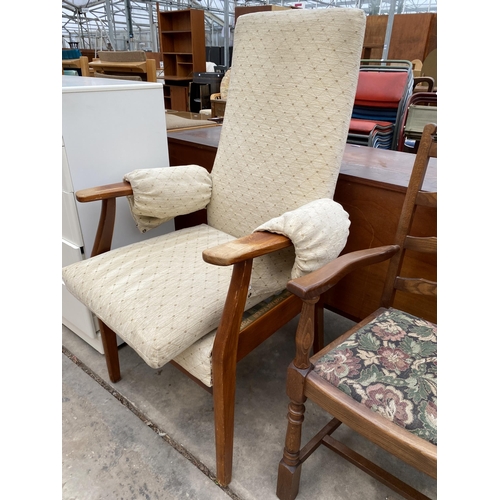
pixel 426 199
pixel 418 286
pixel 423 243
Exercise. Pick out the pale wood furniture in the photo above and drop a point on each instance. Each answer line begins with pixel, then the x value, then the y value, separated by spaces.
pixel 371 187
pixel 185 120
pixel 182 42
pixel 81 63
pixel 405 424
pixel 131 65
pixel 217 105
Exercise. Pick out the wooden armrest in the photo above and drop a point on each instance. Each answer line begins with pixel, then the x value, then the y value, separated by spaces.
pixel 314 284
pixel 104 192
pixel 247 247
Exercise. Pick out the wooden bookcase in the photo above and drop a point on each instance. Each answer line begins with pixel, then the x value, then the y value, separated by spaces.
pixel 182 42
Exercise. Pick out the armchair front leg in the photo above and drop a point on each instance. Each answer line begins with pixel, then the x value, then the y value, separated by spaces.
pixel 102 243
pixel 238 253
pixel 224 356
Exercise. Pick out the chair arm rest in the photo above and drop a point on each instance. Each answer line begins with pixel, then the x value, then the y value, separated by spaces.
pixel 314 284
pixel 104 192
pixel 247 247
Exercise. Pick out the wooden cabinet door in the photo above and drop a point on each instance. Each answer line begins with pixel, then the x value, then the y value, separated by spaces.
pixel 179 98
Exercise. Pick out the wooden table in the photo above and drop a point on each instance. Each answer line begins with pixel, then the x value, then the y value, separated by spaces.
pixel 371 188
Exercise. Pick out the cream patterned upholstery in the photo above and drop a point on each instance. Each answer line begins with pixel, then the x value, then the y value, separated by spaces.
pixel 281 145
pixel 125 285
pixel 284 129
pixel 160 194
pixel 318 231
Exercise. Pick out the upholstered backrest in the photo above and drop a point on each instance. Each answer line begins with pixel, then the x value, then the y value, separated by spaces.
pixel 293 81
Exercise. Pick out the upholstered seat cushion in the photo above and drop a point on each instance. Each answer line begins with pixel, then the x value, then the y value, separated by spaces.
pixel 158 295
pixel 197 359
pixel 390 365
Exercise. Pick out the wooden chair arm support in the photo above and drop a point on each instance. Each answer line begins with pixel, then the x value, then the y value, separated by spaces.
pixel 104 192
pixel 247 247
pixel 107 194
pixel 314 284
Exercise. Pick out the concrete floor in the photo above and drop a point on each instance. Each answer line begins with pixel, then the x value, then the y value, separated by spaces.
pixel 151 435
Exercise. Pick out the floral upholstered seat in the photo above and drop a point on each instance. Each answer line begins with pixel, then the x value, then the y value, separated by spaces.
pixel 390 365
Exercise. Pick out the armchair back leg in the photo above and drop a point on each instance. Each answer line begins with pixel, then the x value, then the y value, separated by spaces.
pixel 110 346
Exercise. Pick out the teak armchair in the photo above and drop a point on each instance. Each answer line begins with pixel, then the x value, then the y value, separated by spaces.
pixel 190 297
pixel 379 378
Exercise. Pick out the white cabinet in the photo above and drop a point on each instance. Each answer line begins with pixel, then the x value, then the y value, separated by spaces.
pixel 109 128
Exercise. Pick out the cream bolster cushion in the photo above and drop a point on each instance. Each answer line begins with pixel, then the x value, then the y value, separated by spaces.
pixel 160 194
pixel 318 231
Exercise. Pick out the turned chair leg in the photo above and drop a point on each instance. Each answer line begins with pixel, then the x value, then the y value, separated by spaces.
pixel 310 325
pixel 290 466
pixel 110 345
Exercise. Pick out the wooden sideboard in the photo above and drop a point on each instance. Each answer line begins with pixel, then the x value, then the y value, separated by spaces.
pixel 371 188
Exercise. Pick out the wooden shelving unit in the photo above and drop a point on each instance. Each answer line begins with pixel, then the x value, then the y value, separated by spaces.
pixel 182 41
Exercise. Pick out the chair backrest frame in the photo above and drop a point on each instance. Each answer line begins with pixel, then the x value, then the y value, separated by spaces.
pixel 426 244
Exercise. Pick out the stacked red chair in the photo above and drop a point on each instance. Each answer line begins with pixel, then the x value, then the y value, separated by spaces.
pixel 381 98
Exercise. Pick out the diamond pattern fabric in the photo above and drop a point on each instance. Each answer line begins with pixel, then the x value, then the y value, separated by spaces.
pixel 160 194
pixel 144 293
pixel 286 120
pixel 287 114
pixel 318 231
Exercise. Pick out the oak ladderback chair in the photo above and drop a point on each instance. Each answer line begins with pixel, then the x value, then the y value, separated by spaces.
pixel 380 377
pixel 189 297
